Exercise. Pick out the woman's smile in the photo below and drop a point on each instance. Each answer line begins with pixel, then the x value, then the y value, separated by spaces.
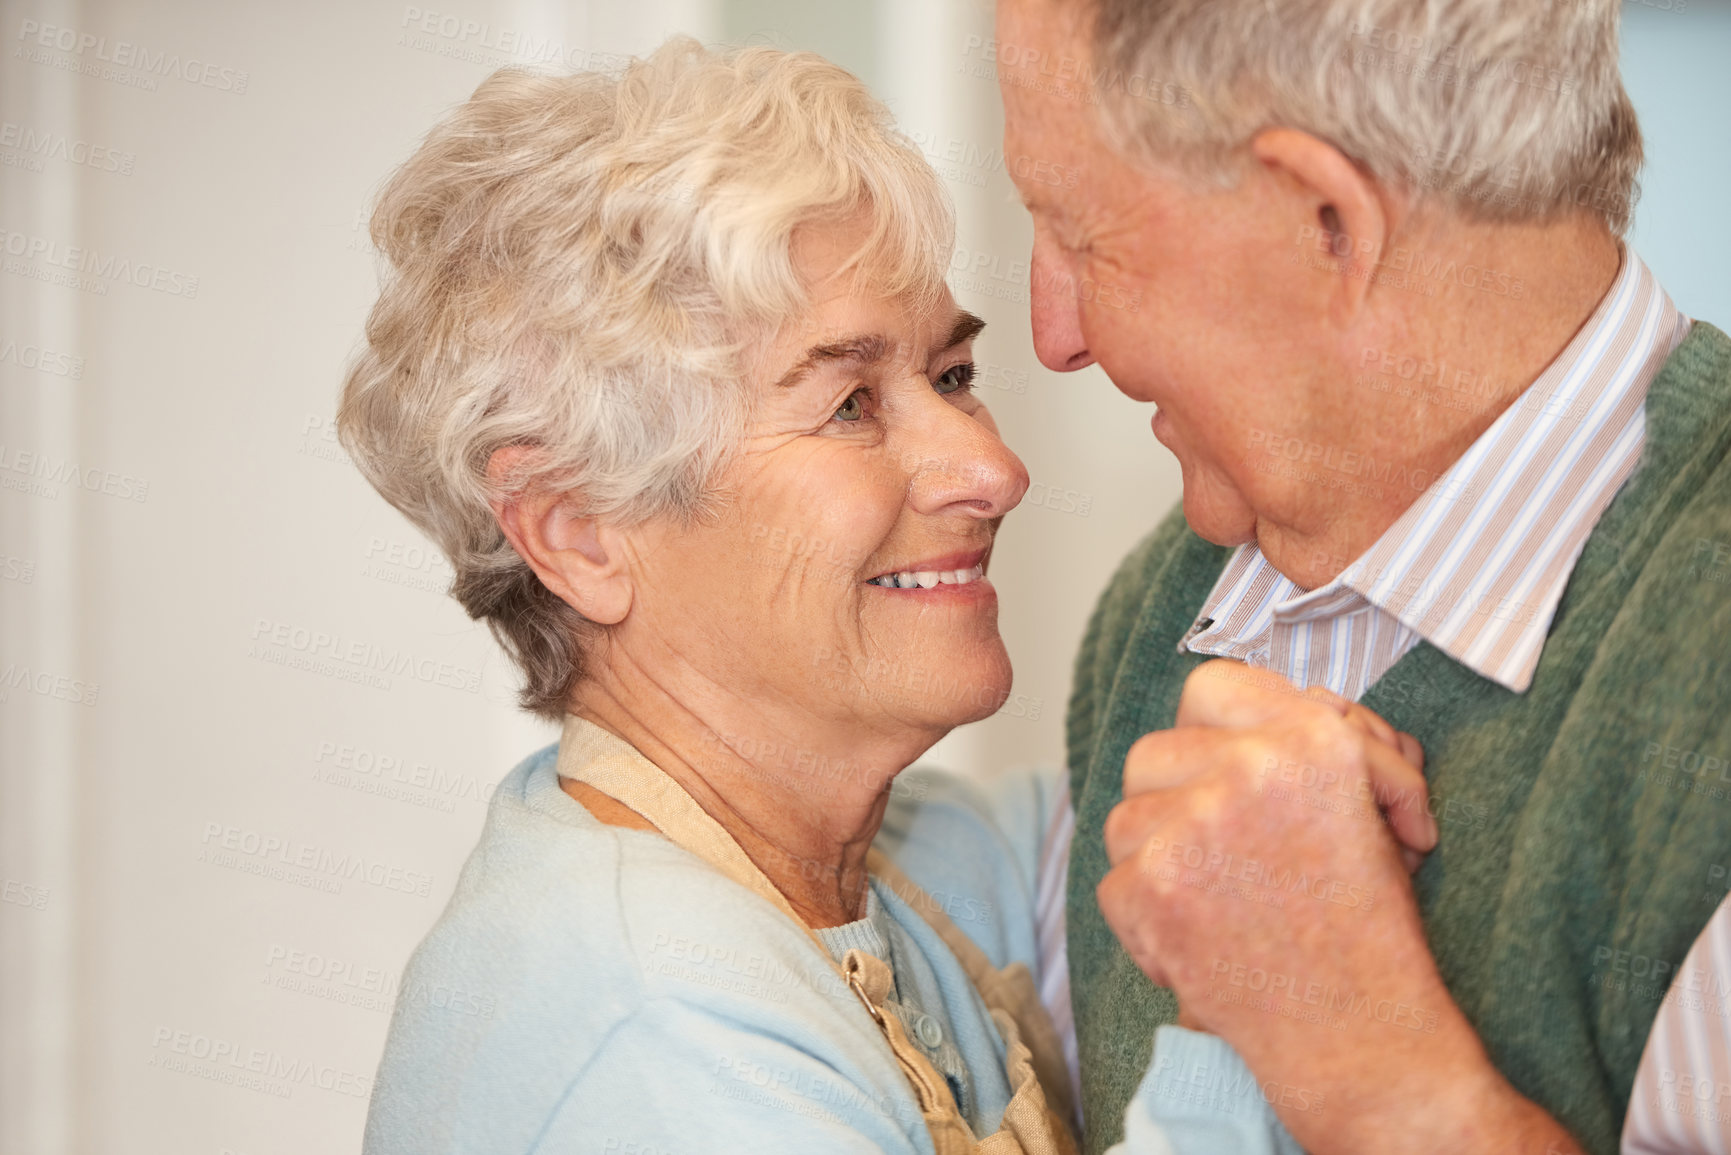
pixel 953 575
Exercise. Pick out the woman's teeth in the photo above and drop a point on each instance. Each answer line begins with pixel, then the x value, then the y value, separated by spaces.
pixel 927 578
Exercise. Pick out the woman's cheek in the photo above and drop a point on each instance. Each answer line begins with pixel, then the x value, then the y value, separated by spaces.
pixel 984 416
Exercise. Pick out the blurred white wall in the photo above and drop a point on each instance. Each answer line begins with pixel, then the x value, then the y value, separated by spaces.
pixel 197 594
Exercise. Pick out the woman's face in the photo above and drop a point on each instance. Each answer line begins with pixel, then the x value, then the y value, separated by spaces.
pixel 843 583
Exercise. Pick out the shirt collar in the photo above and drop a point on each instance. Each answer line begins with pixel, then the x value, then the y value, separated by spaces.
pixel 1578 425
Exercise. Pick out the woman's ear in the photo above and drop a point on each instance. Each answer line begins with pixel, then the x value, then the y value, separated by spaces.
pixel 581 559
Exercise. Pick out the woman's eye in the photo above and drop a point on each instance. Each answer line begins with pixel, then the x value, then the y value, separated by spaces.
pixel 955 378
pixel 853 408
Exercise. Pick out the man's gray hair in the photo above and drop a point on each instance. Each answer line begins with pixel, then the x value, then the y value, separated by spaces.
pixel 1502 109
pixel 578 265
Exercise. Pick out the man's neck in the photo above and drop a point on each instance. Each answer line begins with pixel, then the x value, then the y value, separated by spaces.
pixel 1547 280
pixel 802 802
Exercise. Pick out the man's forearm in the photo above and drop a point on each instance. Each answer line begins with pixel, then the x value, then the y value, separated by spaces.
pixel 1490 1117
pixel 1445 1098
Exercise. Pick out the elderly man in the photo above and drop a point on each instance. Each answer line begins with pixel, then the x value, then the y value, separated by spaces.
pixel 1449 451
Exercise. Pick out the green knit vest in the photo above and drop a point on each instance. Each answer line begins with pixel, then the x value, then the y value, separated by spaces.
pixel 1585 824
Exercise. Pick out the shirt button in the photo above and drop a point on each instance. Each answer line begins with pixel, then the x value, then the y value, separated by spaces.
pixel 929 1032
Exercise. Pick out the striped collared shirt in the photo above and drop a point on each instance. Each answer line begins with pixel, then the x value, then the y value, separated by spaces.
pixel 1476 567
pixel 1477 564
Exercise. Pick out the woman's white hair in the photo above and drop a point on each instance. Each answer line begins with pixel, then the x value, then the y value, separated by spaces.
pixel 578 265
pixel 1502 109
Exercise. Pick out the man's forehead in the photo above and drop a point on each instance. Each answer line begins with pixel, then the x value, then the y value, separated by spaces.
pixel 1043 75
pixel 1070 14
pixel 1046 28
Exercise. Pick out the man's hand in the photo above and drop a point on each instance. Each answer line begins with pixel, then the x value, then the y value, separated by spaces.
pixel 1227 695
pixel 1259 873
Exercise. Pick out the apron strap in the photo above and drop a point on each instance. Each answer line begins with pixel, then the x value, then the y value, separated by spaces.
pixel 587 753
pixel 1010 990
pixel 612 766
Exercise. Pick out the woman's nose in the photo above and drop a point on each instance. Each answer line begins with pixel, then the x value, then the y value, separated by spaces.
pixel 959 464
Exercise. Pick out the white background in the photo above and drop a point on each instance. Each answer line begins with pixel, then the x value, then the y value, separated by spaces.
pixel 144 718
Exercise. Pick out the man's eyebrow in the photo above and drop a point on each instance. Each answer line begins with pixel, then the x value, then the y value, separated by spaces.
pixel 865 348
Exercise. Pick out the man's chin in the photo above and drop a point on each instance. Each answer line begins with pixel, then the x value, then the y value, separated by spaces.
pixel 1215 509
pixel 1226 523
pixel 1162 427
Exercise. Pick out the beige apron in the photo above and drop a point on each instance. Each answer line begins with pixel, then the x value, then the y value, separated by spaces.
pixel 1035 1122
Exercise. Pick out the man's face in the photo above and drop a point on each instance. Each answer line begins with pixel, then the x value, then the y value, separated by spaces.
pixel 1187 294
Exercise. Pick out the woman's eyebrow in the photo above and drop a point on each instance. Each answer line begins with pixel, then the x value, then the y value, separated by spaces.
pixel 864 348
pixel 872 349
pixel 966 328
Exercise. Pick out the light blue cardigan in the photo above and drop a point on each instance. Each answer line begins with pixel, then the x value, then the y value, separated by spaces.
pixel 596 989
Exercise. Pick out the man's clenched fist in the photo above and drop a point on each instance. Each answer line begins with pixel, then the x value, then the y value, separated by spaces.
pixel 1261 860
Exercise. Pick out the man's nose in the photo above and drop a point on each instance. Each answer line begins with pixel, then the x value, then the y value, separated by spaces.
pixel 1055 307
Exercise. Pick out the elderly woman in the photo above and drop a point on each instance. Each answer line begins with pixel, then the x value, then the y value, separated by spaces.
pixel 668 368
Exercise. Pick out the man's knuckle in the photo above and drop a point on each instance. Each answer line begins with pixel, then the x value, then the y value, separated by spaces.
pixel 1143 749
pixel 1113 830
pixel 1324 734
pixel 1256 750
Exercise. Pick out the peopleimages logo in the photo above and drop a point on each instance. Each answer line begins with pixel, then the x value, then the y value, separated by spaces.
pixel 482 42
pixel 336 980
pixel 40 359
pixel 1367 258
pixel 353 659
pixel 41 475
pixel 87 47
pixel 221 1060
pixel 1353 464
pixel 39 145
pixel 24 894
pixel 304 863
pixel 49 260
pixel 397 778
pixel 1291 996
pixel 47 685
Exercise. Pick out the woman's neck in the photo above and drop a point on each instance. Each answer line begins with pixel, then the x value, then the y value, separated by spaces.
pixel 802 801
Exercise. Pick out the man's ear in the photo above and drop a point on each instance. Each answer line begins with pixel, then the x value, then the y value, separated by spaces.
pixel 582 560
pixel 1341 207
